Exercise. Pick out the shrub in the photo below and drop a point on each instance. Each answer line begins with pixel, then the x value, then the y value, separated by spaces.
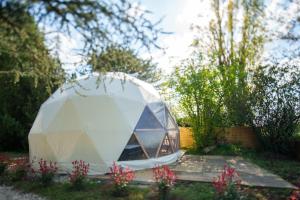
pixel 46 172
pixel 295 195
pixel 275 106
pixel 165 179
pixel 18 168
pixel 121 177
pixel 79 174
pixel 226 185
pixel 4 160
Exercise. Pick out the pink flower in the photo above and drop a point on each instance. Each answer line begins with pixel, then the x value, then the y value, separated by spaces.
pixel 121 176
pixel 80 170
pixel 164 175
pixel 225 179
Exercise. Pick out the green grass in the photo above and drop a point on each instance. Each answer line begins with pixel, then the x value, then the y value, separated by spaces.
pixel 181 191
pixel 63 191
pixel 192 191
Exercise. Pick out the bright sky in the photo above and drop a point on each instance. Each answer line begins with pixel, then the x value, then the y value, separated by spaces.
pixel 178 17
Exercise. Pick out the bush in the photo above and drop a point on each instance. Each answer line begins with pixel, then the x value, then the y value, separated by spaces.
pixel 275 106
pixel 46 172
pixel 165 179
pixel 295 195
pixel 121 177
pixel 79 174
pixel 226 185
pixel 18 168
pixel 4 160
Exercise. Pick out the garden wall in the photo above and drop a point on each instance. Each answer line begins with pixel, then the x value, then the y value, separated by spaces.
pixel 186 137
pixel 244 136
pixel 241 135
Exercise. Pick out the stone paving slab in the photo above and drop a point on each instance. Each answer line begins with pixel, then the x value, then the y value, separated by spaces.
pixel 206 168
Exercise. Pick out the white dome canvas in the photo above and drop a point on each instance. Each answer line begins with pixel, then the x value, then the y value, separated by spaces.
pixel 105 118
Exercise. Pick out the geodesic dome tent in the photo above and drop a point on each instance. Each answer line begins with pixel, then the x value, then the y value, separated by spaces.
pixel 102 119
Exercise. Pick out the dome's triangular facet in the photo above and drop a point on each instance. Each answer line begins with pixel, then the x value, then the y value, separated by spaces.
pixel 148 120
pixel 166 147
pixel 133 150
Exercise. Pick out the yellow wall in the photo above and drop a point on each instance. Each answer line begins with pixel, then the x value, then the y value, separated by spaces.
pixel 186 138
pixel 235 135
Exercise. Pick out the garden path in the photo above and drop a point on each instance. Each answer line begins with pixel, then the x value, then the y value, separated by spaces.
pixel 206 168
pixel 9 193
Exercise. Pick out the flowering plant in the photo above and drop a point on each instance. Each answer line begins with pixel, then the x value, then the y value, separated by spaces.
pixel 295 195
pixel 18 168
pixel 4 160
pixel 46 171
pixel 165 179
pixel 226 185
pixel 121 177
pixel 79 174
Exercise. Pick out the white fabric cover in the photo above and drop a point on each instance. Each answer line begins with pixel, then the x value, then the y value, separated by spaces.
pixel 92 120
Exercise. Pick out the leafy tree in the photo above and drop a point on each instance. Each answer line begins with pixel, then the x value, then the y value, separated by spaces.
pixel 22 92
pixel 98 24
pixel 119 59
pixel 232 45
pixel 199 89
pixel 276 106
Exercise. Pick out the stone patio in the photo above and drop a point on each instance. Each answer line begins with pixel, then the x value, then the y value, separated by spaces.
pixel 205 168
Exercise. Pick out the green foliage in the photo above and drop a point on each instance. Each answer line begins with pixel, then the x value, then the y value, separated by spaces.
pixel 275 105
pixel 119 59
pixel 199 91
pixel 193 191
pixel 183 122
pixel 213 87
pixel 2 168
pixel 233 57
pixel 22 92
pixel 97 24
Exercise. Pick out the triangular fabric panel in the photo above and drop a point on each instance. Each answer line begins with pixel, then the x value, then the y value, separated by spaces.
pixel 150 140
pixel 85 150
pixel 63 144
pixel 148 120
pixel 133 150
pixel 63 122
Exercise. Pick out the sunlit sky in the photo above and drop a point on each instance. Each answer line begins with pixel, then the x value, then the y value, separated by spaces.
pixel 178 15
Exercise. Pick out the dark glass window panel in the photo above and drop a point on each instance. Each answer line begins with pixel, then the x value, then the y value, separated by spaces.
pixel 150 140
pixel 165 148
pixel 148 120
pixel 174 139
pixel 132 151
pixel 158 109
pixel 171 124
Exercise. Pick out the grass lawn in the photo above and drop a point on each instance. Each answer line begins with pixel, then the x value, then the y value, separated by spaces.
pixel 182 191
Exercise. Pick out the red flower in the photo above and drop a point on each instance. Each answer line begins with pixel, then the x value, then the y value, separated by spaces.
pixel 45 168
pixel 226 178
pixel 121 176
pixel 295 195
pixel 4 159
pixel 80 170
pixel 164 175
